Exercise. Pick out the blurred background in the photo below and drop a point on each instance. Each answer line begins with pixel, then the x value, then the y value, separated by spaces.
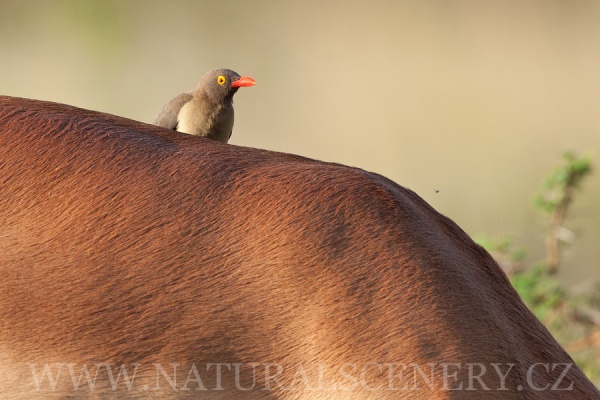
pixel 468 103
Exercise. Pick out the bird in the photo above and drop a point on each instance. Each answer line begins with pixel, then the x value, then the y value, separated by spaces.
pixel 207 110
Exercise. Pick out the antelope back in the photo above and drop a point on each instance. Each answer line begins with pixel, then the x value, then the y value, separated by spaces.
pixel 137 262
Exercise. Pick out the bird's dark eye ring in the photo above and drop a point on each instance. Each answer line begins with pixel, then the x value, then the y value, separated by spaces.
pixel 221 80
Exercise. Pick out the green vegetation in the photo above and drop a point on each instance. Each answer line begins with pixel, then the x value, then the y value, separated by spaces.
pixel 571 315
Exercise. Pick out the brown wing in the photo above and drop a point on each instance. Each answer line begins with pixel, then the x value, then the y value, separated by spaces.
pixel 167 118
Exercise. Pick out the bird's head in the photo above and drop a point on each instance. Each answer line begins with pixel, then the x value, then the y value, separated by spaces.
pixel 220 84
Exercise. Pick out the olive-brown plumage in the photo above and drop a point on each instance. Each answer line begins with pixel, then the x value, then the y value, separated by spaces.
pixel 207 110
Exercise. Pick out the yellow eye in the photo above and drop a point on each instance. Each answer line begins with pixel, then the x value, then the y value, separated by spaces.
pixel 221 80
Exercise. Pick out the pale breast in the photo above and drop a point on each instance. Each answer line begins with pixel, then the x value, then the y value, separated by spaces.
pixel 215 122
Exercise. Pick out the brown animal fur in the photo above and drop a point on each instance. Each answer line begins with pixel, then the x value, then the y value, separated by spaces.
pixel 130 245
